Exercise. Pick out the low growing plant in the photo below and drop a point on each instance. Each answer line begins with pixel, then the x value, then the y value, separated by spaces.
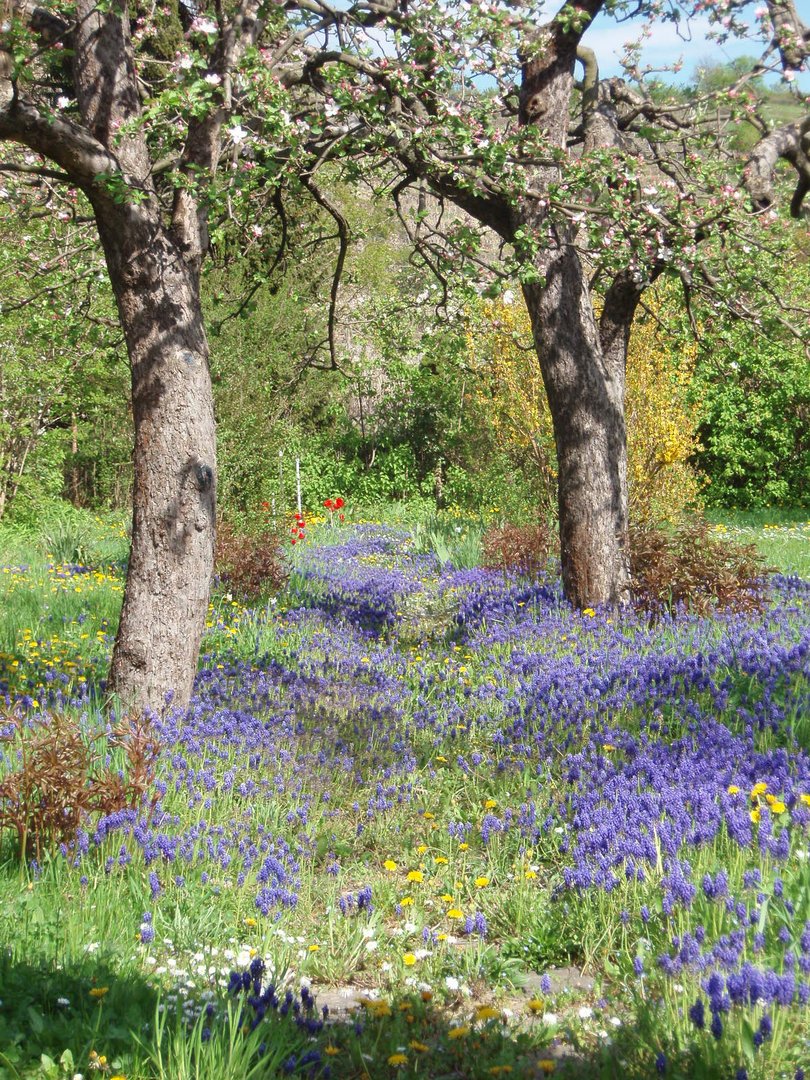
pixel 695 567
pixel 250 566
pixel 64 774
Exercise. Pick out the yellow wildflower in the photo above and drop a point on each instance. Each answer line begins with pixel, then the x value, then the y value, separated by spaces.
pixel 389 865
pixel 418 1046
pixel 440 860
pixel 535 1005
pixel 428 816
pixel 805 799
pixel 331 1050
pixel 758 789
pixel 546 1065
pixel 314 948
pixel 409 959
pixel 755 815
pixel 98 992
pixel 733 789
pixel 455 913
pixel 490 804
pixel 397 1060
pixel 487 1012
pixel 415 875
pixel 463 847
pixel 531 875
pixel 406 901
pixel 459 1032
pixel 481 882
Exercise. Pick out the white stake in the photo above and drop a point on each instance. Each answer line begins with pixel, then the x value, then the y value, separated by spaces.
pixel 298 481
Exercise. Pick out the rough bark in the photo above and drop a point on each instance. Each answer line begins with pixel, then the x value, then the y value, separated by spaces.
pixel 585 389
pixel 171 559
pixel 583 368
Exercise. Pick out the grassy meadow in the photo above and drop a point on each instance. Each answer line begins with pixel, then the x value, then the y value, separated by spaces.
pixel 420 819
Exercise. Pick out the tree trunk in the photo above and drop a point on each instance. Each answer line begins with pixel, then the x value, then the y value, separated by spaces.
pixel 584 383
pixel 171 561
pixel 585 388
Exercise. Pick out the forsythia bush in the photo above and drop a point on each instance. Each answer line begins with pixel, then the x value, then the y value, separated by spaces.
pixel 661 419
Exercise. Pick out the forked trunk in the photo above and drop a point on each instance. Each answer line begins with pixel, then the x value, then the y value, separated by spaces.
pixel 585 388
pixel 171 561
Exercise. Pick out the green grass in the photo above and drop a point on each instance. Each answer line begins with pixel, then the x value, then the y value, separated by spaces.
pixel 781 536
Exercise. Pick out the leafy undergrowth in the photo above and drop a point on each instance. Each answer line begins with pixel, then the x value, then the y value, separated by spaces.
pixel 492 835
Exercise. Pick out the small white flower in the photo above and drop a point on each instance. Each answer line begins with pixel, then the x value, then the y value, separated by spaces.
pixel 585 1013
pixel 213 79
pixel 62 102
pixel 204 26
pixel 508 297
pixel 550 1018
pixel 63 1001
pixel 237 134
pixel 451 982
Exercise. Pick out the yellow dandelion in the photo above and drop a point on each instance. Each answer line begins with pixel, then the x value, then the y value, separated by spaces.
pixel 396 1061
pixel 314 948
pixel 531 875
pixel 406 901
pixel 446 898
pixel 455 913
pixel 755 815
pixel 421 849
pixel 463 847
pixel 331 1050
pixel 608 747
pixel 481 882
pixel 419 1047
pixel 415 875
pixel 487 1012
pixel 805 799
pixel 250 921
pixel 440 860
pixel 409 959
pixel 490 804
pixel 777 807
pixel 428 816
pixel 459 1032
pixel 98 992
pixel 389 865
pixel 758 789
pixel 534 1005
pixel 732 789
pixel 499 1070
pixel 426 995
pixel 546 1065
pixel 441 937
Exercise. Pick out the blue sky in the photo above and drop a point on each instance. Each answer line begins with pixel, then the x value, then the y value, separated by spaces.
pixel 665 46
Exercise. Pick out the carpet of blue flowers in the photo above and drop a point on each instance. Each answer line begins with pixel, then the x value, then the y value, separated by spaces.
pixel 435 790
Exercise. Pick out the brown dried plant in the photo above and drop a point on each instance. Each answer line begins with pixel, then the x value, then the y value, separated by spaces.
pixel 61 775
pixel 250 566
pixel 695 567
pixel 523 548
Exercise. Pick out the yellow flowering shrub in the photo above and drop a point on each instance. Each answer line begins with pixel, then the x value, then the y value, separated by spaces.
pixel 661 422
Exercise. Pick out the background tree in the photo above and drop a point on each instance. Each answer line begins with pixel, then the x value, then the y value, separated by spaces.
pixel 138 109
pixel 595 190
